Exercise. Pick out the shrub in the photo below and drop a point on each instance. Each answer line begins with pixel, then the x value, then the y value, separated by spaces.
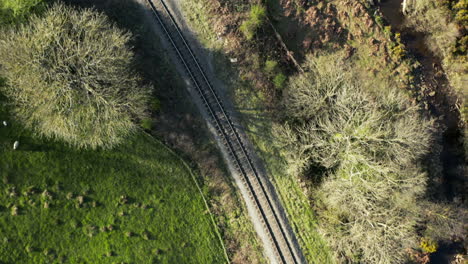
pixel 279 80
pixel 271 66
pixel 443 220
pixel 379 20
pixel 147 123
pixel 256 19
pixel 366 148
pixel 428 245
pixel 69 76
pixel 461 9
pixel 428 16
pixel 399 48
pixel 461 47
pixel 155 104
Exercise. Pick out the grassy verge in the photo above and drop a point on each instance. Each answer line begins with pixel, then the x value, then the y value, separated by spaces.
pixel 137 203
pixel 257 121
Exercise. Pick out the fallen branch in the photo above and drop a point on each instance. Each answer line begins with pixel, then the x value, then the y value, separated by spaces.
pixel 289 53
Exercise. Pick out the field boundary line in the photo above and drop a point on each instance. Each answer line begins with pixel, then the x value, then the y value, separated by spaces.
pixel 194 178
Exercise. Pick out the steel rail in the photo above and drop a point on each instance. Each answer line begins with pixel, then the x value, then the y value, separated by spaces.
pixel 224 131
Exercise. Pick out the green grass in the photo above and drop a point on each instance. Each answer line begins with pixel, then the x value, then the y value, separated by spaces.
pixel 256 20
pixel 258 124
pixel 165 212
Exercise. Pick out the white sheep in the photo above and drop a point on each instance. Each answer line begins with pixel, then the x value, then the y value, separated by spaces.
pixel 15 145
pixel 5 123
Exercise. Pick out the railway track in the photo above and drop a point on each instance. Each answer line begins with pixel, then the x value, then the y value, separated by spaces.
pixel 281 240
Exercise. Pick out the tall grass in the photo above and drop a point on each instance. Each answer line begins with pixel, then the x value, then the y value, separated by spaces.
pixel 257 18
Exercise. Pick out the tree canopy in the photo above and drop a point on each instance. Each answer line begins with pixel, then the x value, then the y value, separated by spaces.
pixel 69 76
pixel 364 152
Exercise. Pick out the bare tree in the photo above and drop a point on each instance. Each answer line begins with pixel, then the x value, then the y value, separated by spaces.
pixel 69 75
pixel 369 147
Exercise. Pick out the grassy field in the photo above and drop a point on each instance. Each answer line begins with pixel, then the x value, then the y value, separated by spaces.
pixel 135 204
pixel 257 121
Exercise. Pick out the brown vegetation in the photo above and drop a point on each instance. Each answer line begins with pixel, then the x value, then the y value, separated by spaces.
pixel 448 41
